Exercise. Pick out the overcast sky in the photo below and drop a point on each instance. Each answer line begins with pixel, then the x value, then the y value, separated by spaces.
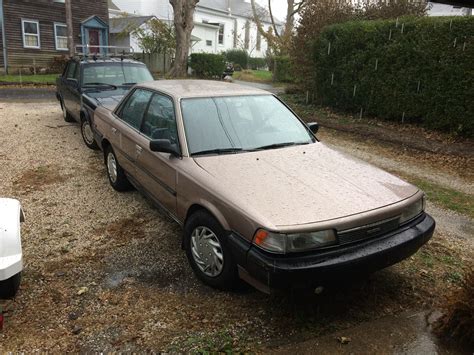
pixel 278 8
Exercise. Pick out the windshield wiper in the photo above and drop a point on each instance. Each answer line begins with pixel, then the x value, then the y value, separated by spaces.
pixel 101 84
pixel 128 84
pixel 279 145
pixel 218 151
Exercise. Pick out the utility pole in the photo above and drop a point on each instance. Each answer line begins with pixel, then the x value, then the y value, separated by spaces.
pixel 70 32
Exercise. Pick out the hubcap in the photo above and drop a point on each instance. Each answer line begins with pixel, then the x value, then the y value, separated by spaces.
pixel 112 167
pixel 207 251
pixel 87 132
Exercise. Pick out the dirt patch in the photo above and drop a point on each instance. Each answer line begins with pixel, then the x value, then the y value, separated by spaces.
pixel 124 229
pixel 35 179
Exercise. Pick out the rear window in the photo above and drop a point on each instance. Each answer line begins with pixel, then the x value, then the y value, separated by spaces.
pixel 116 74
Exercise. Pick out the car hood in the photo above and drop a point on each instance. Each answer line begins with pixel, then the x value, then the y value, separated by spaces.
pixel 107 98
pixel 304 184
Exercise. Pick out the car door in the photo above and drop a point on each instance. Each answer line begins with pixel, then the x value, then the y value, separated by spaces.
pixel 125 130
pixel 71 89
pixel 156 172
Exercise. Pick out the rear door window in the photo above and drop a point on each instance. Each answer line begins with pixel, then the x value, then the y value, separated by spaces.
pixel 134 108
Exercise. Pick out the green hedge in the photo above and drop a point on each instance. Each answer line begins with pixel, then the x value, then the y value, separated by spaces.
pixel 416 69
pixel 282 69
pixel 257 63
pixel 237 56
pixel 206 65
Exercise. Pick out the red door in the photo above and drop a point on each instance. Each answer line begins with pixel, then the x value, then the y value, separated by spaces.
pixel 94 40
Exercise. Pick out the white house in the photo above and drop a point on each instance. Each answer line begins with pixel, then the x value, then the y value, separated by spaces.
pixel 436 9
pixel 219 25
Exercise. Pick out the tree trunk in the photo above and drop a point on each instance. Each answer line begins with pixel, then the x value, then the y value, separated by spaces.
pixel 69 24
pixel 184 24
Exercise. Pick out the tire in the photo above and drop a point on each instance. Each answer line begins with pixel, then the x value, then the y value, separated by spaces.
pixel 226 278
pixel 117 178
pixel 9 288
pixel 66 116
pixel 88 135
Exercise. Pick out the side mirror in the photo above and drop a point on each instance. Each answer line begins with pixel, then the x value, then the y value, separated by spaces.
pixel 314 127
pixel 73 82
pixel 164 146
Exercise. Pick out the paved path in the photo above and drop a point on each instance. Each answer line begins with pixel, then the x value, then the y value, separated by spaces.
pixel 17 94
pixel 408 334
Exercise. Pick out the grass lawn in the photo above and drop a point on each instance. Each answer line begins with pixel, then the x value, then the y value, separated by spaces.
pixel 259 76
pixel 37 79
pixel 446 197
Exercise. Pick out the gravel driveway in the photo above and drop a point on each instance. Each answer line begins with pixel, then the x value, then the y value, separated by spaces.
pixel 104 271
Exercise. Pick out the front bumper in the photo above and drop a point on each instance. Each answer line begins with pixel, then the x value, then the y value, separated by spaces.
pixel 10 266
pixel 267 271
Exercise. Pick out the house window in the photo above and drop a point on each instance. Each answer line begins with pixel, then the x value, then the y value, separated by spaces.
pixel 259 41
pixel 31 33
pixel 208 43
pixel 221 33
pixel 60 34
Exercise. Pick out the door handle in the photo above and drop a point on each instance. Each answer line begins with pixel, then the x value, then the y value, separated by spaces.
pixel 139 149
pixel 114 130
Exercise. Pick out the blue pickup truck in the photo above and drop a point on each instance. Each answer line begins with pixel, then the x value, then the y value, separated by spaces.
pixel 90 82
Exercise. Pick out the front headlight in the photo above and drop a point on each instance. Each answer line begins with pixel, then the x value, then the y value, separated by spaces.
pixel 287 243
pixel 413 210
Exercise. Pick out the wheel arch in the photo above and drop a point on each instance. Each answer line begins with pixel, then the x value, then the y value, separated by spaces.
pixel 208 208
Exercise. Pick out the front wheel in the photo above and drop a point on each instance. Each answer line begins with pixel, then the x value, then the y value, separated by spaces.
pixel 66 115
pixel 9 287
pixel 88 134
pixel 117 178
pixel 207 251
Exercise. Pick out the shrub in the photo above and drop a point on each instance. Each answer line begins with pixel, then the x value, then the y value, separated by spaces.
pixel 410 69
pixel 317 14
pixel 282 69
pixel 257 63
pixel 58 63
pixel 207 65
pixel 237 56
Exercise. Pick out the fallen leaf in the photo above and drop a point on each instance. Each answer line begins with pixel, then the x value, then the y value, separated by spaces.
pixel 344 340
pixel 82 290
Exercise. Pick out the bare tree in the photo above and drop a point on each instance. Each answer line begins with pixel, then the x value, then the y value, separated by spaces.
pixel 184 24
pixel 278 39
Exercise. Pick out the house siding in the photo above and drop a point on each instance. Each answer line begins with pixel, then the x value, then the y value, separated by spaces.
pixel 47 13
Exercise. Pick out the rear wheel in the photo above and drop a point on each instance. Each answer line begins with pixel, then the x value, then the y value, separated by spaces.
pixel 88 134
pixel 66 116
pixel 9 288
pixel 115 173
pixel 206 248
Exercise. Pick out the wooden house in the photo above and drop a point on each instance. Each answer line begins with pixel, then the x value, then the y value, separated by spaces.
pixel 34 32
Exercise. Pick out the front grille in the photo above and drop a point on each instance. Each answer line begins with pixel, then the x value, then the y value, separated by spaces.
pixel 368 231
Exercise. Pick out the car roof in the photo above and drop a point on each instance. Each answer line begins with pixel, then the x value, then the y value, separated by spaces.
pixel 109 60
pixel 200 88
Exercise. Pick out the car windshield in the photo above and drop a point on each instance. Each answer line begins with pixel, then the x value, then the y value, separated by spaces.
pixel 115 74
pixel 240 123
